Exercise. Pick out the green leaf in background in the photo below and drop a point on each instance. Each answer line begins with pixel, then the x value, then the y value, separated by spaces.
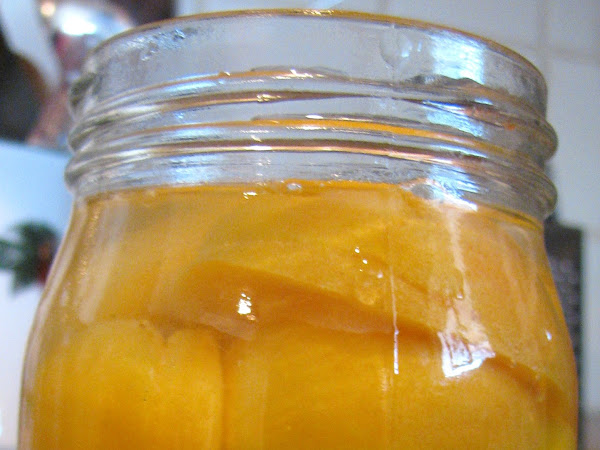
pixel 29 254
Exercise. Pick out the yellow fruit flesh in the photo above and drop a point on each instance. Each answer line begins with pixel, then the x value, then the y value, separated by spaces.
pixel 334 315
pixel 121 384
pixel 349 391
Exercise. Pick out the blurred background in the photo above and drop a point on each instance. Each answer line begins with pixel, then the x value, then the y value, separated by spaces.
pixel 40 51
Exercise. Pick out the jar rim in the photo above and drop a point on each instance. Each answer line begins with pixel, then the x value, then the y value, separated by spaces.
pixel 536 77
pixel 366 16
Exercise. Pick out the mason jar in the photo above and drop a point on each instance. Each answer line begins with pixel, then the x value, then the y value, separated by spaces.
pixel 303 229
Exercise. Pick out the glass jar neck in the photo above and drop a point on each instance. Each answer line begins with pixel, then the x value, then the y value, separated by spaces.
pixel 178 93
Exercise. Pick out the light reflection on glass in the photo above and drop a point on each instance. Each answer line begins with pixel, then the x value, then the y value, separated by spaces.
pixel 459 356
pixel 395 322
pixel 457 120
pixel 465 344
pixel 245 306
pixel 470 57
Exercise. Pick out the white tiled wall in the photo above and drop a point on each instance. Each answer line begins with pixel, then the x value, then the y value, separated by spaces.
pixel 574 110
pixel 562 37
pixel 574 27
pixel 487 18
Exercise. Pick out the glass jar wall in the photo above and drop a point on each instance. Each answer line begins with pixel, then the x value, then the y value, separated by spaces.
pixel 300 229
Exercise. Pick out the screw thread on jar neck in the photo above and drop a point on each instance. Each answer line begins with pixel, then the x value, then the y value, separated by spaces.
pixel 313 82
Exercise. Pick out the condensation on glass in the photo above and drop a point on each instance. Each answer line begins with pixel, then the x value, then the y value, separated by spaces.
pixel 303 229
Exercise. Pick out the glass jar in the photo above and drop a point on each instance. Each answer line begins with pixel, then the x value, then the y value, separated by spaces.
pixel 303 229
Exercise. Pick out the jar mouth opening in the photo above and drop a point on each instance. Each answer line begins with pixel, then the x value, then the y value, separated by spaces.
pixel 312 75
